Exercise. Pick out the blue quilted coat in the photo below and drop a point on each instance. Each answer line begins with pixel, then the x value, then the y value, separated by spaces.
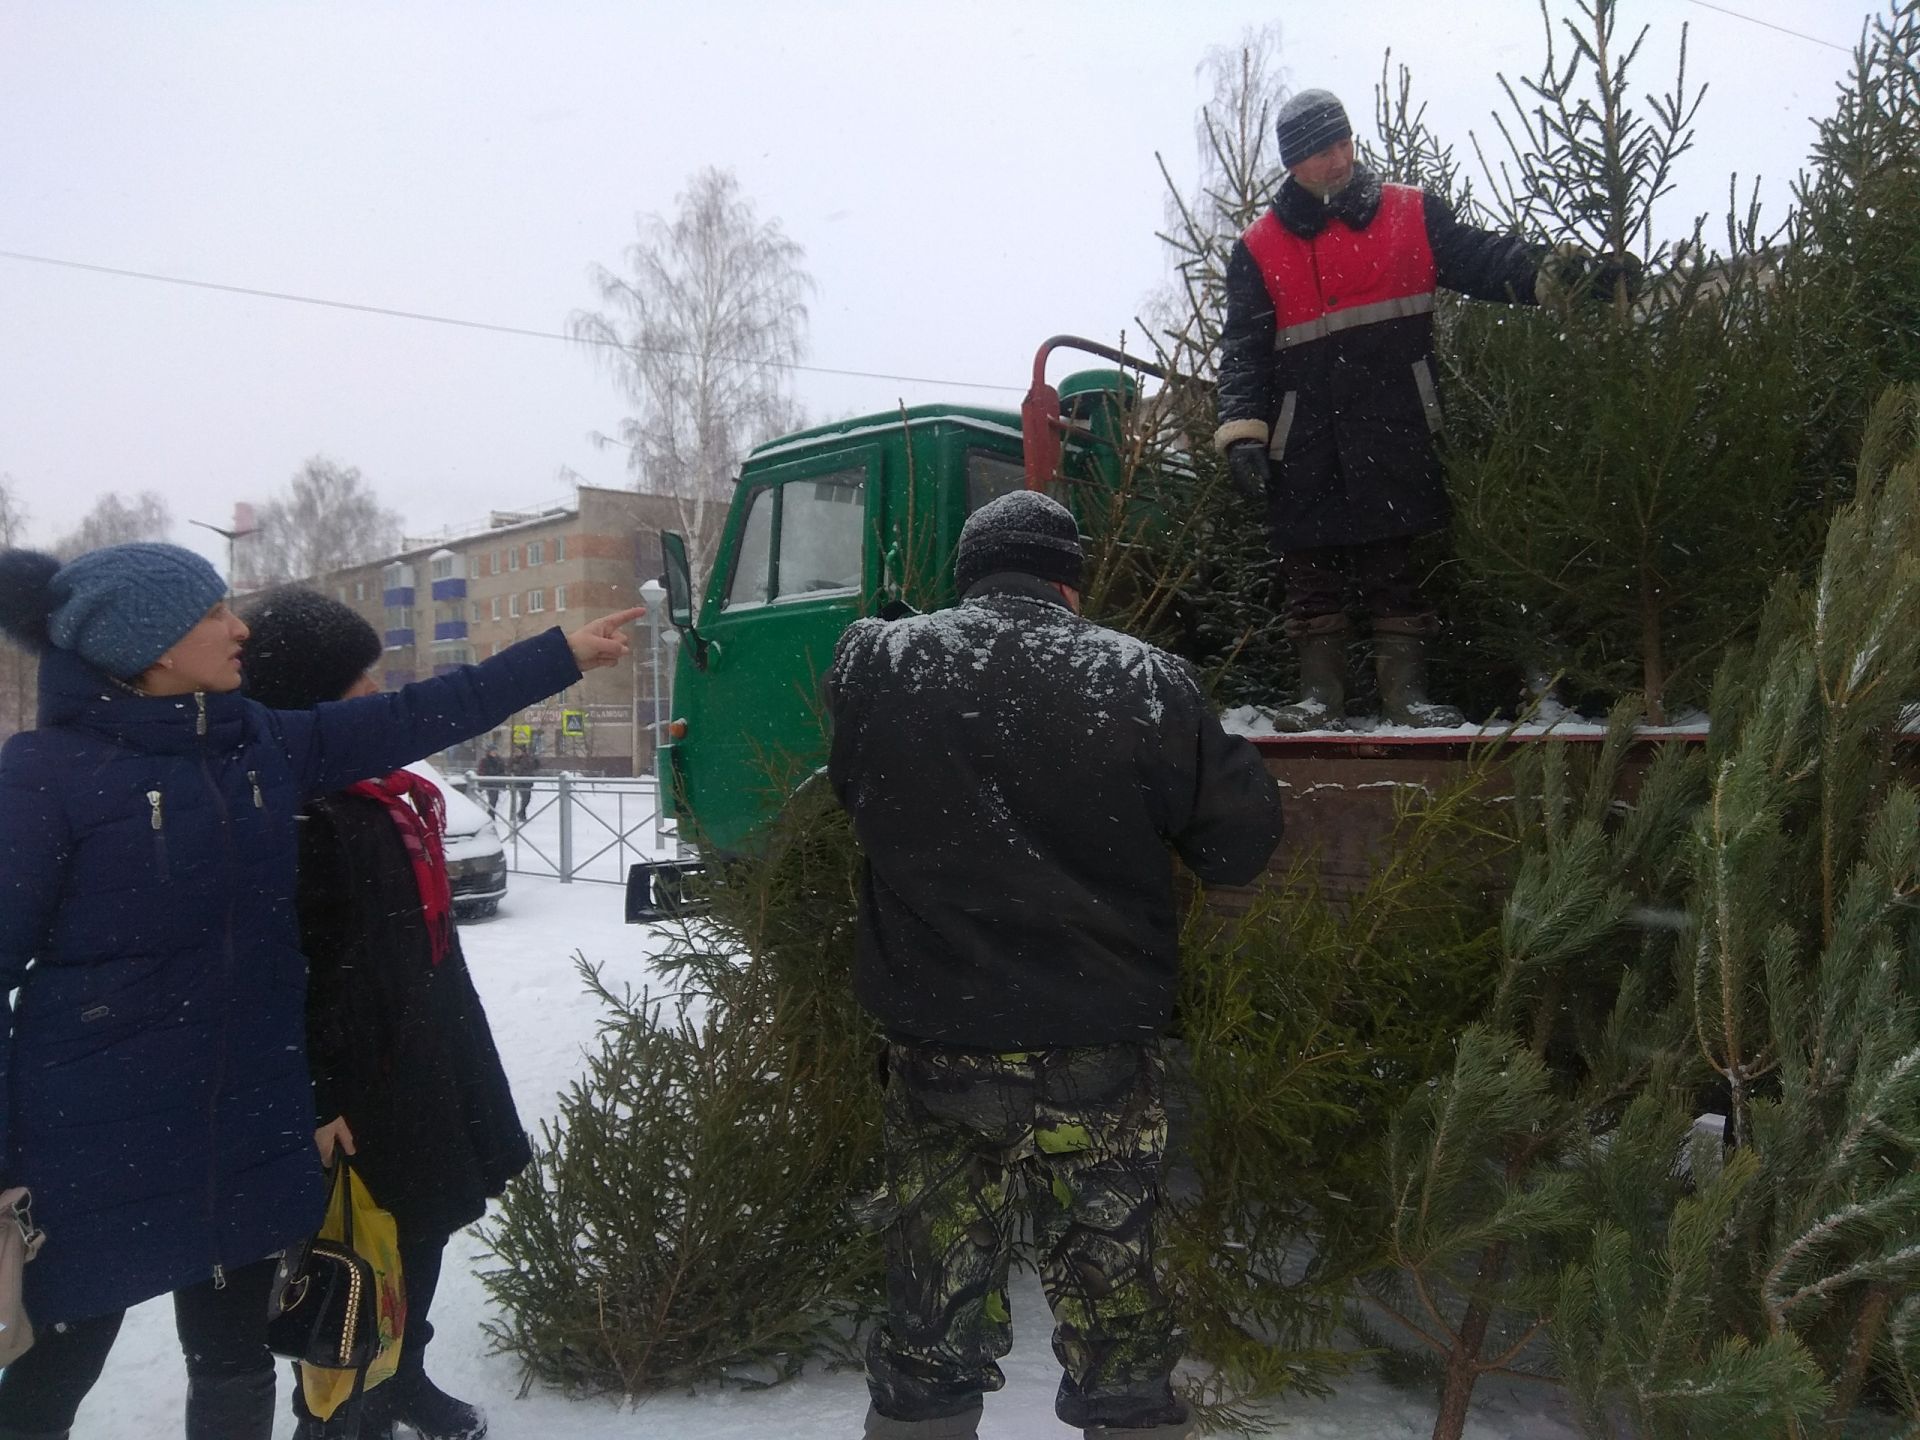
pixel 157 1097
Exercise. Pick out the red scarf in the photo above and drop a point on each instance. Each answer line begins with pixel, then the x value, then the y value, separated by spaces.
pixel 421 825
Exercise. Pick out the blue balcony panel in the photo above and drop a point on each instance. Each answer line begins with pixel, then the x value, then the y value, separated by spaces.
pixel 445 669
pixel 396 678
pixel 444 630
pixel 399 639
pixel 398 597
pixel 454 589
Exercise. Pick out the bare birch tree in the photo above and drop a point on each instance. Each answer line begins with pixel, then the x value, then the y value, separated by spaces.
pixel 118 519
pixel 328 518
pixel 701 332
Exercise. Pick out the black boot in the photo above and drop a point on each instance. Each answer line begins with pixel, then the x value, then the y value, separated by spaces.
pixel 1400 660
pixel 1323 680
pixel 230 1407
pixel 415 1401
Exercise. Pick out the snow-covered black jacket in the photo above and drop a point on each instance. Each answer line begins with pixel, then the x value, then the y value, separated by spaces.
pixel 399 1045
pixel 157 1099
pixel 1327 353
pixel 1015 774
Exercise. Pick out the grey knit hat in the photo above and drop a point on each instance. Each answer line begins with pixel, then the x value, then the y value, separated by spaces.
pixel 1026 531
pixel 119 608
pixel 1310 122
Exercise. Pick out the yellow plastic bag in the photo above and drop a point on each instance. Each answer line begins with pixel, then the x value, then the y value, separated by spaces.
pixel 375 1239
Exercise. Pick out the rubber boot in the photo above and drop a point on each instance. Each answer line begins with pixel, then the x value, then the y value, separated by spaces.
pixel 1400 661
pixel 230 1407
pixel 1323 679
pixel 964 1426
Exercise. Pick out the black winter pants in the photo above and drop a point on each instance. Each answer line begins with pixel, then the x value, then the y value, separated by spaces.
pixel 1320 584
pixel 223 1333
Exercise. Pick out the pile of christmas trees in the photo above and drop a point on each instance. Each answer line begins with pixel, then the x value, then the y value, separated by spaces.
pixel 1612 1075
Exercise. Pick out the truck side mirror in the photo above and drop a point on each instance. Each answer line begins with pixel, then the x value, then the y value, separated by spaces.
pixel 679 577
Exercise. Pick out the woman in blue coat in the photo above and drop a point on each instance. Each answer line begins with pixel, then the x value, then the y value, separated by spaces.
pixel 156 1092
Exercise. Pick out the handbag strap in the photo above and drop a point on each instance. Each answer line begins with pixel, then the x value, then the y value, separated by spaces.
pixel 19 1206
pixel 343 1183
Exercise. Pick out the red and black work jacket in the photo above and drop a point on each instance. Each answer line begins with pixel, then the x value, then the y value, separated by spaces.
pixel 1327 354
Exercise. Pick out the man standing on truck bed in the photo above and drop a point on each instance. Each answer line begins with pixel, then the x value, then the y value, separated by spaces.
pixel 1015 774
pixel 1328 409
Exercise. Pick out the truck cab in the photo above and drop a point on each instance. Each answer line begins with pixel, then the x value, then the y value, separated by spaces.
pixel 860 517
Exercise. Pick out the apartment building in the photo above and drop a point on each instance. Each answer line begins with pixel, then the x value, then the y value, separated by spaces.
pixel 462 597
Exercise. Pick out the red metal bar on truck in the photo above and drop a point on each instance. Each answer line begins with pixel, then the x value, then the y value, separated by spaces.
pixel 1040 423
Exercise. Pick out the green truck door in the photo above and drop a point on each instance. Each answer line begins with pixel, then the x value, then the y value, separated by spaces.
pixel 791 575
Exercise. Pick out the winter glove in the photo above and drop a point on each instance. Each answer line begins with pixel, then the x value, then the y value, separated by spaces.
pixel 1571 274
pixel 1248 468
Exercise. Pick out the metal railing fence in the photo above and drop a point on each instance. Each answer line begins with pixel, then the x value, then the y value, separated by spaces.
pixel 572 827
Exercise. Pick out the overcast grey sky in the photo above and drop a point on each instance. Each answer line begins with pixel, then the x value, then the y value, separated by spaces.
pixel 966 179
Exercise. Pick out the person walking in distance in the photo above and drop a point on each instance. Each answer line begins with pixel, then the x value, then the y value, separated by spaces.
pixel 1016 776
pixel 158 1103
pixel 491 768
pixel 526 767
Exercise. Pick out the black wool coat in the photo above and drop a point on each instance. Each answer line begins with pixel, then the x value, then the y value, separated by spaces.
pixel 398 1045
pixel 1019 779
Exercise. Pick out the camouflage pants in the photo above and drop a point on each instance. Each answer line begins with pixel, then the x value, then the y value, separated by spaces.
pixel 1076 1138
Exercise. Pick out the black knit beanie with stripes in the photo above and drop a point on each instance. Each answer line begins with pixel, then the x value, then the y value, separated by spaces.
pixel 1309 123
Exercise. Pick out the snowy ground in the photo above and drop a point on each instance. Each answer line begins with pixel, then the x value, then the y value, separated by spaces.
pixel 523 965
pixel 1256 723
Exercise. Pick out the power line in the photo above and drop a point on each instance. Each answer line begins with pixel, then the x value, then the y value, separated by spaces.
pixel 474 324
pixel 1768 24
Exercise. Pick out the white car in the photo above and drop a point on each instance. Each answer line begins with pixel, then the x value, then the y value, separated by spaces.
pixel 476 864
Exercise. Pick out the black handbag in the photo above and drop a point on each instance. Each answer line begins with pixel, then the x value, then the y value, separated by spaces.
pixel 325 1307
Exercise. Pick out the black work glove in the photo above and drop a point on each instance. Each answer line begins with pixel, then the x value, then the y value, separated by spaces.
pixel 1248 468
pixel 1607 274
pixel 1586 279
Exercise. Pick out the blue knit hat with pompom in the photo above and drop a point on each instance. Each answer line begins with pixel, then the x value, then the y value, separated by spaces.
pixel 119 608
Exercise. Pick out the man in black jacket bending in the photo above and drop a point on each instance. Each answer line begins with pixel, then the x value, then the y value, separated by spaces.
pixel 1015 775
pixel 1328 407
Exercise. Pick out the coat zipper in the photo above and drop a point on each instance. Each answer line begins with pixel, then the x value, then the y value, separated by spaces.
pixel 226 1017
pixel 157 821
pixel 253 779
pixel 200 720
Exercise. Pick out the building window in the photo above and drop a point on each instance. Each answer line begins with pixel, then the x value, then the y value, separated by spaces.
pixel 513 558
pixel 496 607
pixel 559 550
pixel 443 566
pixel 559 597
pixel 360 590
pixel 536 553
pixel 513 607
pixel 499 559
pixel 473 567
pixel 340 594
pixel 536 601
pixel 473 612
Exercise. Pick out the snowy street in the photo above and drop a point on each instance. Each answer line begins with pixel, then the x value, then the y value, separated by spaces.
pixel 522 963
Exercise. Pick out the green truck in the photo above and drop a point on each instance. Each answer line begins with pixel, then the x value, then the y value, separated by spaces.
pixel 827 525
